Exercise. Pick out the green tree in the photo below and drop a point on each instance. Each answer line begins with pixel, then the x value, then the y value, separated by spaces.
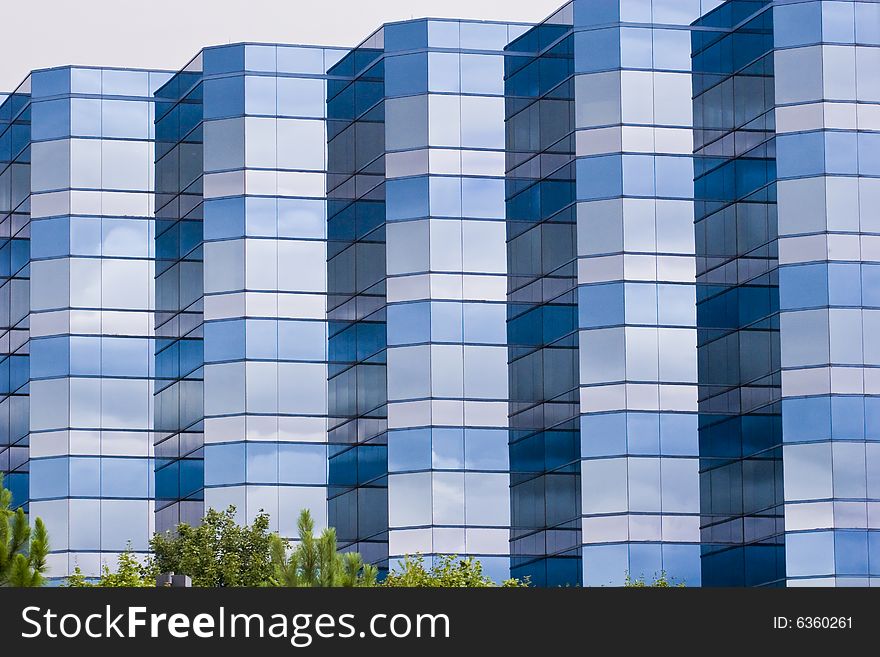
pixel 448 571
pixel 660 581
pixel 316 562
pixel 22 551
pixel 219 552
pixel 129 574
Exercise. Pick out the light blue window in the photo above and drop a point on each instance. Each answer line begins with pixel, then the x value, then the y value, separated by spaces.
pixel 679 434
pixel 810 553
pixel 806 419
pixel 262 339
pixel 224 464
pixel 49 478
pixel 49 357
pixel 85 477
pixel 409 450
pixel 445 197
pixel 224 97
pixel 871 285
pixel 407 199
pixel 603 435
pixel 301 340
pixel 601 305
pixel 482 198
pixel 597 50
pixel 124 477
pixel 447 449
pixel 50 119
pixel 446 322
pixel 409 323
pixel 643 433
pixel 262 463
pixel 301 218
pixel 605 565
pixel 224 341
pixel 485 323
pixel 224 218
pixel 302 464
pixel 125 119
pixel 803 286
pixel 844 284
pixel 406 75
pixel 125 357
pixel 50 238
pixel 301 97
pixel 848 418
pixel 636 47
pixel 85 236
pixel 851 553
pixel 85 116
pixel 486 449
pixel 259 94
pixel 599 177
pixel 85 355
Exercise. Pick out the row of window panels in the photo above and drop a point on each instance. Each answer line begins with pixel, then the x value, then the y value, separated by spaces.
pixel 447 371
pixel 820 337
pixel 115 404
pixel 831 418
pixel 832 72
pixel 109 82
pixel 238 217
pixel 448 449
pixel 634 97
pixel 282 265
pixel 449 498
pixel 638 484
pixel 283 504
pixel 825 553
pixel 91 477
pixel 825 204
pixel 87 117
pixel 265 340
pixel 616 304
pixel 91 356
pixel 258 387
pixel 85 524
pixel 92 164
pixel 638 354
pixel 609 565
pixel 829 284
pixel 95 283
pixel 91 236
pixel 265 463
pixel 834 153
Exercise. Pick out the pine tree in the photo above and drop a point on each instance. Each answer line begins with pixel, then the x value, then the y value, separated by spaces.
pixel 22 551
pixel 316 562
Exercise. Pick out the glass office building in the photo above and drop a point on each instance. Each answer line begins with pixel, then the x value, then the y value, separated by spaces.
pixel 77 206
pixel 585 299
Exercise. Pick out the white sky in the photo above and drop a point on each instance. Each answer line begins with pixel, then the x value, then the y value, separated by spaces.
pixel 167 33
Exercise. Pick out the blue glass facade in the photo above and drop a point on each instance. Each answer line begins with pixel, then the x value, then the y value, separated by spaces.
pixel 583 299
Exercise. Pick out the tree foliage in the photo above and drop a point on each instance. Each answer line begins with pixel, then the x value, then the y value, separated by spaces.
pixel 447 571
pixel 130 574
pixel 217 553
pixel 660 581
pixel 22 551
pixel 316 562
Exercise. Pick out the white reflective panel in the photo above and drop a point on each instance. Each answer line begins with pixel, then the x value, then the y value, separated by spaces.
pixel 125 283
pixel 302 266
pixel 50 165
pixel 485 372
pixel 445 127
pixel 301 144
pixel 302 388
pixel 448 498
pixel 124 521
pixel 224 389
pixel 604 486
pixel 487 499
pixel 224 266
pixel 482 122
pixel 409 499
pixel 808 471
pixel 409 373
pixel 126 165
